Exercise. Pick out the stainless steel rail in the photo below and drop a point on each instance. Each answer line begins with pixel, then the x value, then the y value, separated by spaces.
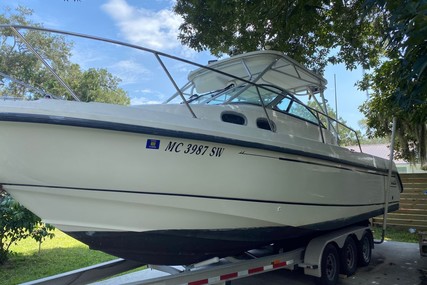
pixel 62 82
pixel 29 86
pixel 157 54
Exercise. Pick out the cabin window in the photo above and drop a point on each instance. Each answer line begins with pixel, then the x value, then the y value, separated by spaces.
pixel 262 123
pixel 301 111
pixel 233 118
pixel 297 109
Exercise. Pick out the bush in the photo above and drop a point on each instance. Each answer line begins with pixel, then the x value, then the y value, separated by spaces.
pixel 17 223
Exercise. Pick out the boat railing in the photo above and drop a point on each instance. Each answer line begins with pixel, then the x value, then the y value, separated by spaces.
pixel 10 98
pixel 323 119
pixel 334 127
pixel 157 54
pixel 26 85
pixel 344 135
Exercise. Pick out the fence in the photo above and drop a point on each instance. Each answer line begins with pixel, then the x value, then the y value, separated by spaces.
pixel 413 204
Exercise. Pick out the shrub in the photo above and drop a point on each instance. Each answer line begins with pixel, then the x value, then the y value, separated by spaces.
pixel 17 223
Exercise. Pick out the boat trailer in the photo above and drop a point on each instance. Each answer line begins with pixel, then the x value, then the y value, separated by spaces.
pixel 322 258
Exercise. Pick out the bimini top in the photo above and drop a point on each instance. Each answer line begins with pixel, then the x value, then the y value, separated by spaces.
pixel 260 67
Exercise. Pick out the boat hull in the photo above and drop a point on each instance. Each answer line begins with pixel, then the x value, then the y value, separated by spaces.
pixel 184 247
pixel 122 190
pixel 83 215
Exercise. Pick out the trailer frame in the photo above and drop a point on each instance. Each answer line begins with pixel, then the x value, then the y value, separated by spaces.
pixel 222 271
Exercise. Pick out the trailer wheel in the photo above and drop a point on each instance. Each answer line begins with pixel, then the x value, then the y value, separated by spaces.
pixel 365 248
pixel 330 266
pixel 348 257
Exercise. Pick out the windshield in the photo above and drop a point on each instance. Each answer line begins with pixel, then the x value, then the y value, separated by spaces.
pixel 240 94
pixel 272 97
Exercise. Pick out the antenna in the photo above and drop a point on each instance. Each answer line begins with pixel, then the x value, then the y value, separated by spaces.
pixel 336 102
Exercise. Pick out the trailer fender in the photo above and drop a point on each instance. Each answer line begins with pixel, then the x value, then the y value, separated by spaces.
pixel 314 250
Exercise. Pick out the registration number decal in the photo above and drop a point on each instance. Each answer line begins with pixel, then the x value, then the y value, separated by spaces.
pixel 194 149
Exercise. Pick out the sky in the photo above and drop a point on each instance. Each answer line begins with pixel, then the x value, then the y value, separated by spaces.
pixel 152 24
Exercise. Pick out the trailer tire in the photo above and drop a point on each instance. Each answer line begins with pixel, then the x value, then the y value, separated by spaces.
pixel 365 248
pixel 330 266
pixel 348 256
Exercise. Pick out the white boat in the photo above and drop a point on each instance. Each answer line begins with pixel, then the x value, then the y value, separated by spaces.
pixel 241 163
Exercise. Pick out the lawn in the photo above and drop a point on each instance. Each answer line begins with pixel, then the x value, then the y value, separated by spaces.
pixel 57 255
pixel 396 234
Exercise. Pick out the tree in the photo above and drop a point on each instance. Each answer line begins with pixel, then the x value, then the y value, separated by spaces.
pixel 99 85
pixel 313 32
pixel 387 38
pixel 17 223
pixel 399 85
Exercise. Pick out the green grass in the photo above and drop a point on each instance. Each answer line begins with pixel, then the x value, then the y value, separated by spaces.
pixel 396 234
pixel 57 255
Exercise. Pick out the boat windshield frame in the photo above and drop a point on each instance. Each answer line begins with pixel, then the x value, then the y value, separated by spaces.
pixel 274 101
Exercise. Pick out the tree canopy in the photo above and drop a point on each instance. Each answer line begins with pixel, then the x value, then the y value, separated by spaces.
pixel 398 85
pixel 386 38
pixel 313 32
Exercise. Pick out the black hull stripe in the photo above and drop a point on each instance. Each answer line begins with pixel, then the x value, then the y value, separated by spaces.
pixel 341 167
pixel 96 124
pixel 197 196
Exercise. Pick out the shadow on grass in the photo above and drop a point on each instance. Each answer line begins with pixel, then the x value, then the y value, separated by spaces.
pixel 27 267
